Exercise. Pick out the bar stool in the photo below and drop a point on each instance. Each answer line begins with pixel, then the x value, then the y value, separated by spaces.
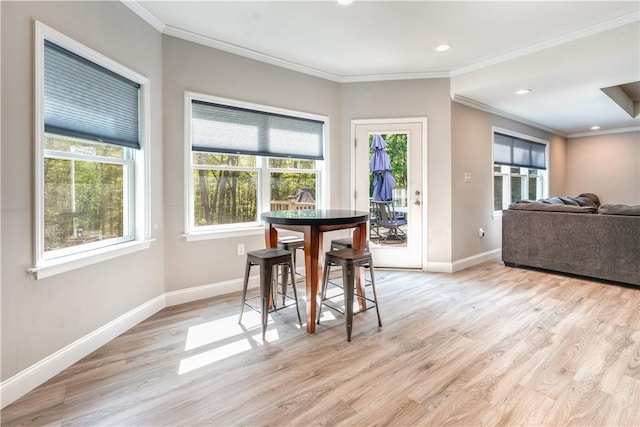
pixel 267 259
pixel 289 243
pixel 337 244
pixel 345 243
pixel 349 260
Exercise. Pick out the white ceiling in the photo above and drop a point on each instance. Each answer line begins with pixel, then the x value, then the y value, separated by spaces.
pixel 564 51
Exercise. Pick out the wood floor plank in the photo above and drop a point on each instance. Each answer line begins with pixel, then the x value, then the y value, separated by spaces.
pixel 489 345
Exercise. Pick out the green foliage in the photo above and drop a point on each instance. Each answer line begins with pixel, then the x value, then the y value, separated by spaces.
pixel 83 202
pixel 284 184
pixel 229 195
pixel 397 150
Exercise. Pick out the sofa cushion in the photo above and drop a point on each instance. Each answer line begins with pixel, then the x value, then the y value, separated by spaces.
pixel 552 207
pixel 619 210
pixel 584 203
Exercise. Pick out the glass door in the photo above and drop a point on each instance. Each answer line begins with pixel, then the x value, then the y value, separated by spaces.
pixel 388 181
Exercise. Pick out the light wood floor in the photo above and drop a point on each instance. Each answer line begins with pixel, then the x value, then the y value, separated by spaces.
pixel 490 345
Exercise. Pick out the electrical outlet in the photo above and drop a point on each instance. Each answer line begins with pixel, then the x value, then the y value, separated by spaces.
pixel 481 232
pixel 240 249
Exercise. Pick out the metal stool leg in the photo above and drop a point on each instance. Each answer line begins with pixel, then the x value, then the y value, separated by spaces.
pixel 375 296
pixel 349 284
pixel 295 292
pixel 265 292
pixel 325 285
pixel 244 288
pixel 285 279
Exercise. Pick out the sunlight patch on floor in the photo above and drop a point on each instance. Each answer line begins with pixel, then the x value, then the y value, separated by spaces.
pixel 212 356
pixel 219 330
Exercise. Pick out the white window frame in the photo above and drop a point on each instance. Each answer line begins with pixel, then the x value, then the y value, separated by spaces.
pixel 193 233
pixel 137 162
pixel 505 172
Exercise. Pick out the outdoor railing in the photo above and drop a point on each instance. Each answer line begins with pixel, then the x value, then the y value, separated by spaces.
pixel 291 204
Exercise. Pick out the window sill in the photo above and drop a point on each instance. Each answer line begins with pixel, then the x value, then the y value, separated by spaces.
pixel 223 234
pixel 497 216
pixel 73 262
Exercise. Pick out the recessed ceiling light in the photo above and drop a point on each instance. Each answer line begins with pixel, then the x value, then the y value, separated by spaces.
pixel 344 2
pixel 443 47
pixel 595 127
pixel 523 91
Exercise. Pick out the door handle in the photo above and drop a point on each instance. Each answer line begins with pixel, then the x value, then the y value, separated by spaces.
pixel 417 203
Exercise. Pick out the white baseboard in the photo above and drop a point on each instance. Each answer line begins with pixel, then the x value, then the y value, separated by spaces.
pixel 461 264
pixel 33 376
pixel 41 371
pixel 213 290
pixel 207 291
pixel 439 267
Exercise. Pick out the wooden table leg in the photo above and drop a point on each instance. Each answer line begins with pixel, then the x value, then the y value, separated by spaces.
pixel 270 236
pixel 271 241
pixel 360 242
pixel 312 242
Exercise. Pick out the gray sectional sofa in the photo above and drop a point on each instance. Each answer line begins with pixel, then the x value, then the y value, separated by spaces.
pixel 574 235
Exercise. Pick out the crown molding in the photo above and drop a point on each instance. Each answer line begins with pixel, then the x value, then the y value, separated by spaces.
pixel 396 76
pixel 137 7
pixel 144 13
pixel 557 41
pixel 488 109
pixel 283 63
pixel 248 53
pixel 604 132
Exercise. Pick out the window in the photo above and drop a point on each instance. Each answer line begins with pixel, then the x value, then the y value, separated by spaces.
pixel 244 159
pixel 519 170
pixel 91 156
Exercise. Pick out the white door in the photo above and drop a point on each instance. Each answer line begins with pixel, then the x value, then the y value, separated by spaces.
pixel 406 147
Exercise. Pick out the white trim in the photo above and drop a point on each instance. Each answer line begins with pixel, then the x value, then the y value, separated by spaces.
pixel 547 44
pixel 283 63
pixel 140 10
pixel 26 380
pixel 491 110
pixel 463 263
pixel 210 290
pixel 41 371
pixel 223 234
pixel 424 173
pixel 72 262
pixel 193 233
pixel 144 13
pixel 140 203
pixel 439 267
pixel 604 132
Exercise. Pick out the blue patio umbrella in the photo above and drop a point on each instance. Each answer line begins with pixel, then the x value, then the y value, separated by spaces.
pixel 380 165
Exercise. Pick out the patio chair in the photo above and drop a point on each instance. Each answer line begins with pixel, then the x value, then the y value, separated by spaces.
pixel 387 218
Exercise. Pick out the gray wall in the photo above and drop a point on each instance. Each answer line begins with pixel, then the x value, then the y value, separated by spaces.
pixel 193 67
pixel 607 165
pixel 41 317
pixel 412 98
pixel 472 202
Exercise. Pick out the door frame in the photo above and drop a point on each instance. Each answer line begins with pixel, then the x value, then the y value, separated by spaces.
pixel 423 171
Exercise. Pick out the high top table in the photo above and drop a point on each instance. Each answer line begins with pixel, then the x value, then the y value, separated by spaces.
pixel 313 223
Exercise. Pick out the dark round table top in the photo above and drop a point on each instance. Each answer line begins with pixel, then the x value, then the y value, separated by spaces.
pixel 315 217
